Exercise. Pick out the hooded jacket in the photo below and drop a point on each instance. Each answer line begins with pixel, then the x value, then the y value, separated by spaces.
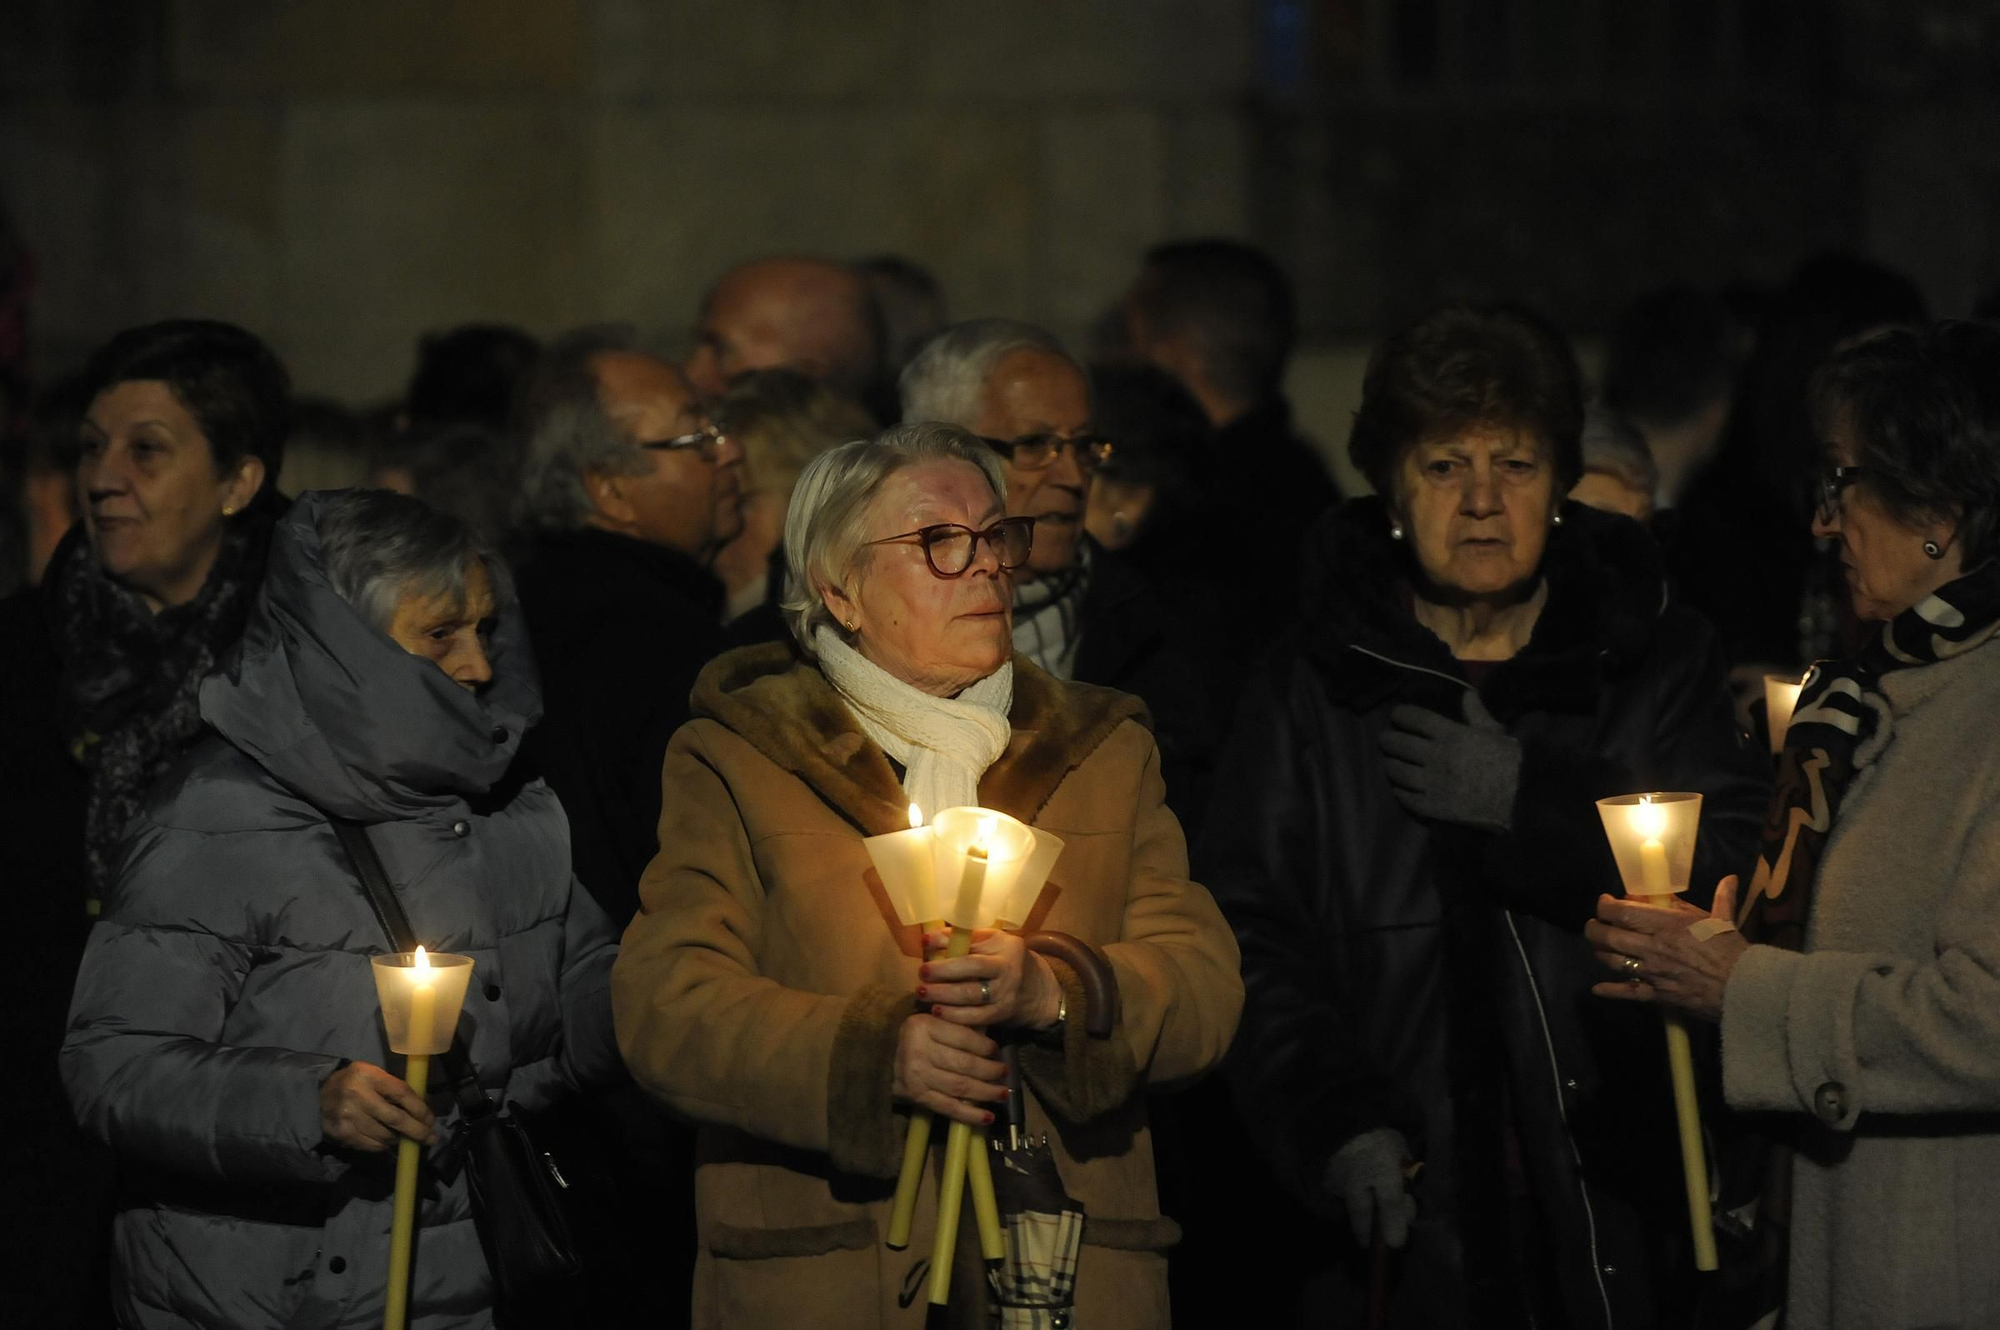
pixel 764 984
pixel 1433 978
pixel 230 976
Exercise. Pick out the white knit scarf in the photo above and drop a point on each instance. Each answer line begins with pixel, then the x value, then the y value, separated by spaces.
pixel 944 743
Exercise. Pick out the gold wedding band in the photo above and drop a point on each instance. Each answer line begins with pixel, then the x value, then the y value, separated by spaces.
pixel 985 993
pixel 1632 969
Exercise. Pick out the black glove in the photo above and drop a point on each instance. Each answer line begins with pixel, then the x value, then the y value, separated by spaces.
pixel 1451 772
pixel 1369 1175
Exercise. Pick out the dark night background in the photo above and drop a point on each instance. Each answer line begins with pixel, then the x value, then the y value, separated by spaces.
pixel 341 177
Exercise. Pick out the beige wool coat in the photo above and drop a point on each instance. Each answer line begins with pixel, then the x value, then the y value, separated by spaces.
pixel 1886 1028
pixel 761 988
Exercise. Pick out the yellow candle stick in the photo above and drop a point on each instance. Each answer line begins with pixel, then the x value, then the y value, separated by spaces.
pixel 1694 1157
pixel 916 1146
pixel 958 1140
pixel 423 1010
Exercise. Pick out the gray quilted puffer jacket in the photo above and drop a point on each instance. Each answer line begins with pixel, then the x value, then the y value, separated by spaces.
pixel 229 975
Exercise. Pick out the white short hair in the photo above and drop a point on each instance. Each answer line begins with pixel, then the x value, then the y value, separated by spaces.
pixel 824 525
pixel 944 379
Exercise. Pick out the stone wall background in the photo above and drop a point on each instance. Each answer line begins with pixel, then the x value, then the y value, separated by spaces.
pixel 342 175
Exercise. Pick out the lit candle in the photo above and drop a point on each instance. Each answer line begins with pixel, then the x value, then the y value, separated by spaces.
pixel 421 996
pixel 1651 822
pixel 958 1141
pixel 1781 698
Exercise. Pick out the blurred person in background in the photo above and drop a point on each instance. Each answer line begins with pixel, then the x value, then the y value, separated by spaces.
pixel 911 304
pixel 1219 316
pixel 455 469
pixel 1405 840
pixel 468 375
pixel 182 424
pixel 807 314
pixel 1157 431
pixel 1078 612
pixel 39 474
pixel 1670 368
pixel 329 447
pixel 1618 471
pixel 630 494
pixel 781 419
pixel 1743 552
pixel 225 1038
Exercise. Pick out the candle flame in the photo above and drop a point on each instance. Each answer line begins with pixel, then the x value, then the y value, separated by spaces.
pixel 1648 818
pixel 916 817
pixel 981 842
pixel 422 965
pixel 422 961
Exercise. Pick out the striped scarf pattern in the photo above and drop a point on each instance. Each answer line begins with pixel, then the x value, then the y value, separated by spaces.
pixel 1840 708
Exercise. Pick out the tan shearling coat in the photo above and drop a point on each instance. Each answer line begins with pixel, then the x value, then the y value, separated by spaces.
pixel 1886 1028
pixel 762 985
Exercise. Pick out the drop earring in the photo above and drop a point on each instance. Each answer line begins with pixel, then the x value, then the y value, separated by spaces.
pixel 1395 530
pixel 1933 549
pixel 1556 518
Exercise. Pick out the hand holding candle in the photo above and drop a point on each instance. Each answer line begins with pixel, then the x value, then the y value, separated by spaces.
pixel 421 996
pixel 1652 838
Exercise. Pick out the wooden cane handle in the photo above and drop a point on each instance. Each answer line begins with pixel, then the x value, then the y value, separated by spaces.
pixel 1100 986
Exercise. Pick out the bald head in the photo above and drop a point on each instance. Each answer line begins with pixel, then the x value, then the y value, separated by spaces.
pixel 808 315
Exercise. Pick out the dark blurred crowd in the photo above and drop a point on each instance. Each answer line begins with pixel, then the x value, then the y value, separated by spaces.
pixel 1185 532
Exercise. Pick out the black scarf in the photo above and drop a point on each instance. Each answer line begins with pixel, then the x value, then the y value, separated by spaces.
pixel 1840 707
pixel 131 678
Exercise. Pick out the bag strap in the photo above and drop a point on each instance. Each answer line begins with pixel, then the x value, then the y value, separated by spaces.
pixel 472 1101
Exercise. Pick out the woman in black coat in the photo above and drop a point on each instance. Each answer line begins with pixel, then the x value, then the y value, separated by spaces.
pixel 1406 843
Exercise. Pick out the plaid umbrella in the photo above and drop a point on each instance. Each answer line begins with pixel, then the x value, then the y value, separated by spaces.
pixel 1035 1286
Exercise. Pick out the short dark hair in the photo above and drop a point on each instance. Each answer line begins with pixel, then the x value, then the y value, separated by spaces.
pixel 1670 354
pixel 228 380
pixel 1465 366
pixel 1924 408
pixel 469 375
pixel 1231 302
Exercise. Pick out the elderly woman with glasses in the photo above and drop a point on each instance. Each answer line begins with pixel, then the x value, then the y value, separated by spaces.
pixel 767 989
pixel 1405 841
pixel 1861 997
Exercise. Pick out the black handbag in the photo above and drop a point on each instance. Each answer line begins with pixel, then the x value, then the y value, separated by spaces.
pixel 516 1189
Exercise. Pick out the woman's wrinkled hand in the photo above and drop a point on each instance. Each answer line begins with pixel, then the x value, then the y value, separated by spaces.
pixel 1674 966
pixel 1018 989
pixel 363 1107
pixel 948 1069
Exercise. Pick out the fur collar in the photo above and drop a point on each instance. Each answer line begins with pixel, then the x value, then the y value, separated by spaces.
pixel 779 702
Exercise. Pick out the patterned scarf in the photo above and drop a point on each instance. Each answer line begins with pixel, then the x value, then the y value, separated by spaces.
pixel 1048 612
pixel 130 677
pixel 1840 707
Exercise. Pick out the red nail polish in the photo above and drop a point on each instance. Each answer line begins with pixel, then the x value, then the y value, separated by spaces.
pixel 988 1117
pixel 923 972
pixel 937 1011
pixel 1005 1091
pixel 921 990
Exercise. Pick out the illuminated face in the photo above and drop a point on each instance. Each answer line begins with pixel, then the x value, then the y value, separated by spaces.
pixel 938 634
pixel 1031 393
pixel 1477 507
pixel 153 499
pixel 449 632
pixel 689 499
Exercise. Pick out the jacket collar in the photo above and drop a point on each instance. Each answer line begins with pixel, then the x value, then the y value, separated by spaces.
pixel 1606 593
pixel 779 702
